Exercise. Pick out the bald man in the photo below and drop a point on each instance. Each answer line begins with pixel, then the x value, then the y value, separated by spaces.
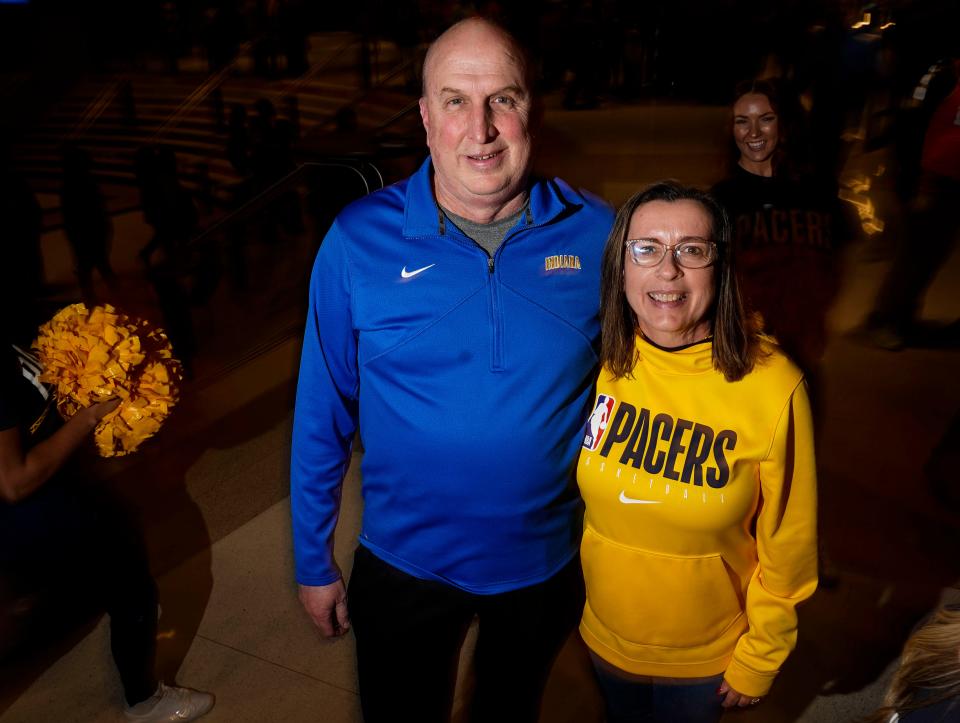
pixel 453 318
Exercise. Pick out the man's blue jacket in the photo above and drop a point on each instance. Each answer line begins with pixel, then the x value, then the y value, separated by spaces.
pixel 470 378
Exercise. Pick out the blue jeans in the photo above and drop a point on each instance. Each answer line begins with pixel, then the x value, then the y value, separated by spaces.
pixel 644 700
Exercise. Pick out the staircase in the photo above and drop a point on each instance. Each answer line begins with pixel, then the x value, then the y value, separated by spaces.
pixel 113 116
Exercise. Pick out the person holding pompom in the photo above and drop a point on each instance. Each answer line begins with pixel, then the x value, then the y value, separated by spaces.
pixel 66 546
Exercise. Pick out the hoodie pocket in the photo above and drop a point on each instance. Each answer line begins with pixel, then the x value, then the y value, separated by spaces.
pixel 649 598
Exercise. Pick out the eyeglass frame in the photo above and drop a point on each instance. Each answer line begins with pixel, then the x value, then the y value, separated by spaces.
pixel 672 248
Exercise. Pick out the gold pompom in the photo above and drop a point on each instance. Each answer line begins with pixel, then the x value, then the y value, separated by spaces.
pixel 93 355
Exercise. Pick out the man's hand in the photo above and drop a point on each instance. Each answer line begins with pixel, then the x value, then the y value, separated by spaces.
pixel 327 607
pixel 734 699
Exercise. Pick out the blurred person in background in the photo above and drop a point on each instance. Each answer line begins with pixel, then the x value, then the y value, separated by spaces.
pixel 85 220
pixel 926 686
pixel 21 255
pixel 930 159
pixel 787 231
pixel 67 546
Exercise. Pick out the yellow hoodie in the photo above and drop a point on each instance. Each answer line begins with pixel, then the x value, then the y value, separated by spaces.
pixel 700 529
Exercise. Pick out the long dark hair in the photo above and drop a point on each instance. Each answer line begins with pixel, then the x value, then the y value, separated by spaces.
pixel 735 336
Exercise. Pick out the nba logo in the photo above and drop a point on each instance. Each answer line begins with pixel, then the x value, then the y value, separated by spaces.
pixel 597 424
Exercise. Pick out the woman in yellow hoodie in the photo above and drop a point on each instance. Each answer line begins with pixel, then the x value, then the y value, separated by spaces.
pixel 698 474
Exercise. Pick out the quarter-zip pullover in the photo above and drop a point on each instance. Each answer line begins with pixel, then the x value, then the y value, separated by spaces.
pixel 468 381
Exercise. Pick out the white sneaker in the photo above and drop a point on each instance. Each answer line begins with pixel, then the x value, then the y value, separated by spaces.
pixel 171 705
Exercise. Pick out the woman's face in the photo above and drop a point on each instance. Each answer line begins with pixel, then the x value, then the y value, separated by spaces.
pixel 756 132
pixel 671 302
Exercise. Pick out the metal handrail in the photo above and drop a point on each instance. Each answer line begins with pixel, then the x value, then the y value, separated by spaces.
pixel 96 107
pixel 405 111
pixel 277 189
pixel 216 79
pixel 315 69
pixel 108 94
pixel 381 81
pixel 362 95
pixel 211 82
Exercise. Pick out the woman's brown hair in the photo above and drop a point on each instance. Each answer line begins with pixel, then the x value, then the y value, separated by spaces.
pixel 735 342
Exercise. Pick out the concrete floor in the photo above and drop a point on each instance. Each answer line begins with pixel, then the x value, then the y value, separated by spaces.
pixel 212 489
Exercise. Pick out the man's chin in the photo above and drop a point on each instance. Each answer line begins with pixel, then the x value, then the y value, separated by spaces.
pixel 493 184
pixel 483 191
pixel 491 191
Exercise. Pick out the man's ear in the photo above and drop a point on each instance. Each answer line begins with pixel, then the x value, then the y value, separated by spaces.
pixel 424 114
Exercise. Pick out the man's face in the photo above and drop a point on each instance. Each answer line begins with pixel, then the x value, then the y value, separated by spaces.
pixel 476 110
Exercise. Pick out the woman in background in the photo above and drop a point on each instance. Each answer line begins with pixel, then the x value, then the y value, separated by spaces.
pixel 787 230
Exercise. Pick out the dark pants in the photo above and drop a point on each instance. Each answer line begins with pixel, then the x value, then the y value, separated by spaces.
pixel 409 633
pixel 70 550
pixel 648 700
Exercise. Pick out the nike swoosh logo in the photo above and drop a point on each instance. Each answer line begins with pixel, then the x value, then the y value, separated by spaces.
pixel 404 274
pixel 631 501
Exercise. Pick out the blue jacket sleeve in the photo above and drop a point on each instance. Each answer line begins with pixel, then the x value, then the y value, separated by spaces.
pixel 325 418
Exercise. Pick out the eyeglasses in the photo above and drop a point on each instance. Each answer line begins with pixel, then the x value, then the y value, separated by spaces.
pixel 694 254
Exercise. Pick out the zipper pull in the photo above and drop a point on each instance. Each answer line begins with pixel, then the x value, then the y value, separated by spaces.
pixel 490 264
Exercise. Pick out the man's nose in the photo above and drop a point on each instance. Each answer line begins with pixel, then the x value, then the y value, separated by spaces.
pixel 482 128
